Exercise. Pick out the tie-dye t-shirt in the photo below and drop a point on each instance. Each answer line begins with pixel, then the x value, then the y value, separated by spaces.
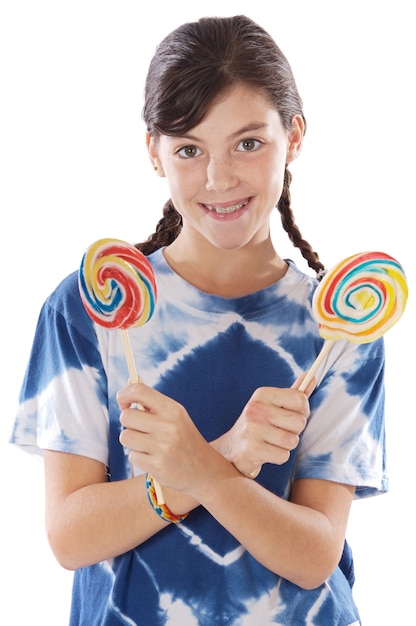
pixel 209 353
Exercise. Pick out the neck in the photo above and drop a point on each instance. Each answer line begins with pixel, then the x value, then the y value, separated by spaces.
pixel 227 273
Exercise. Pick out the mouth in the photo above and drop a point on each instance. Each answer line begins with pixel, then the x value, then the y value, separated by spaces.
pixel 222 209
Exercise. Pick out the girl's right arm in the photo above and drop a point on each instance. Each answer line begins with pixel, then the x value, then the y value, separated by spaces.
pixel 89 519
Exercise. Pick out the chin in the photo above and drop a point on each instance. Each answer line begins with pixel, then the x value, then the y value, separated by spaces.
pixel 229 246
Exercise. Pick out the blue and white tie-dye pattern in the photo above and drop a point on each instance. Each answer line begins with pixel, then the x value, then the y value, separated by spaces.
pixel 210 354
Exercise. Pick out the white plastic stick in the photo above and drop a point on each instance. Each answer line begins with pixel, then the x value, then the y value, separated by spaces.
pixel 321 356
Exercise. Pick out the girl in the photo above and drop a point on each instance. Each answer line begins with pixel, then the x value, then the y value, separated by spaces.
pixel 258 477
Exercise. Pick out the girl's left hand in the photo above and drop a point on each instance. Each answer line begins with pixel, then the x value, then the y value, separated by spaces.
pixel 267 430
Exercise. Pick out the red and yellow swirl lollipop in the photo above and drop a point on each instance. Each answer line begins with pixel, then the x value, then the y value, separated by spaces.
pixel 359 300
pixel 117 284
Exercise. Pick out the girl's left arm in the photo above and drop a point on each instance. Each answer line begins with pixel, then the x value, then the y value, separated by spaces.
pixel 300 539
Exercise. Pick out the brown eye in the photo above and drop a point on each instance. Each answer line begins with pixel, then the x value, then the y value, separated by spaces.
pixel 248 145
pixel 188 152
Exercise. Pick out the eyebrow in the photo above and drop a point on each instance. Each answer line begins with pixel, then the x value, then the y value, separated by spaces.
pixel 241 131
pixel 249 128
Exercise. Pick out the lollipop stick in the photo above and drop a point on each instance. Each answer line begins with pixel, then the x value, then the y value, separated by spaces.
pixel 134 379
pixel 159 493
pixel 129 356
pixel 321 356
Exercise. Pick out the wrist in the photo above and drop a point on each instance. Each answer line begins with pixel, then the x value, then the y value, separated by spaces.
pixel 162 510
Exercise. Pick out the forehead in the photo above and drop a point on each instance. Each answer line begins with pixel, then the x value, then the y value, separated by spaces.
pixel 245 92
pixel 234 110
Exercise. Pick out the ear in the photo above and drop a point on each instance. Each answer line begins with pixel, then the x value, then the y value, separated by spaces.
pixel 152 148
pixel 295 138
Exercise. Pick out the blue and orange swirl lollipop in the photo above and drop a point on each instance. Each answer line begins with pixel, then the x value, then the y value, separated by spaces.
pixel 359 300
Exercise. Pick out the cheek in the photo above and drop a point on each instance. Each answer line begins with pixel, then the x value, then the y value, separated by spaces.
pixel 271 177
pixel 184 182
pixel 173 180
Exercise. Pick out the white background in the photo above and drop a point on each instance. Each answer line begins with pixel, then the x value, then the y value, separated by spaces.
pixel 74 168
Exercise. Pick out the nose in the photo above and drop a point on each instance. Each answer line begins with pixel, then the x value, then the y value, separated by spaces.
pixel 221 175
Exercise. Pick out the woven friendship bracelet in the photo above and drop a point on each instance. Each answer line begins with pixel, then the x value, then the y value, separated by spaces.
pixel 161 509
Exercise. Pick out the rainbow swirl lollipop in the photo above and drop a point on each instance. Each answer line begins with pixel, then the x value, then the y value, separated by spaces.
pixel 359 300
pixel 117 284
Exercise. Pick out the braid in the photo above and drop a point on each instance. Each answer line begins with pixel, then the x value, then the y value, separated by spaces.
pixel 288 222
pixel 167 229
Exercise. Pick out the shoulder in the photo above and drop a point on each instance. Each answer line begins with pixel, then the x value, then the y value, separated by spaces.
pixel 65 301
pixel 300 279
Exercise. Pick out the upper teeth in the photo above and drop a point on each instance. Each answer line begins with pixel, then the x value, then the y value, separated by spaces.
pixel 228 209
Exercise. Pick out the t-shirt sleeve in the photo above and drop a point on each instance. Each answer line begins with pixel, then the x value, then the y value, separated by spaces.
pixel 63 399
pixel 344 440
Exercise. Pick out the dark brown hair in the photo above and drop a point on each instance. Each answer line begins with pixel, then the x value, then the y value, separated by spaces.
pixel 189 69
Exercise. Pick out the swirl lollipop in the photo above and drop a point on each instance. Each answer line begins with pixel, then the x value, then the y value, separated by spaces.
pixel 359 300
pixel 118 289
pixel 117 284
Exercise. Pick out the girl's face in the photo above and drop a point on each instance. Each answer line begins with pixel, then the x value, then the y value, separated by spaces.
pixel 226 174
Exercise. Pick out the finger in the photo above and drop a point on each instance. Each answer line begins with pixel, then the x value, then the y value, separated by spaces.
pixel 282 438
pixel 288 421
pixel 143 396
pixel 135 418
pixel 270 415
pixel 130 395
pixel 267 453
pixel 276 455
pixel 247 470
pixel 134 440
pixel 290 399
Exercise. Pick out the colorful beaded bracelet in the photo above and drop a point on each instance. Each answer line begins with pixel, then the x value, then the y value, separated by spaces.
pixel 161 509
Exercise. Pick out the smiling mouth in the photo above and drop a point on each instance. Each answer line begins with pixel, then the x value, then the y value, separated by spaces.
pixel 226 210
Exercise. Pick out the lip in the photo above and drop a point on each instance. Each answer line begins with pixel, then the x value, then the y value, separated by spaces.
pixel 224 211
